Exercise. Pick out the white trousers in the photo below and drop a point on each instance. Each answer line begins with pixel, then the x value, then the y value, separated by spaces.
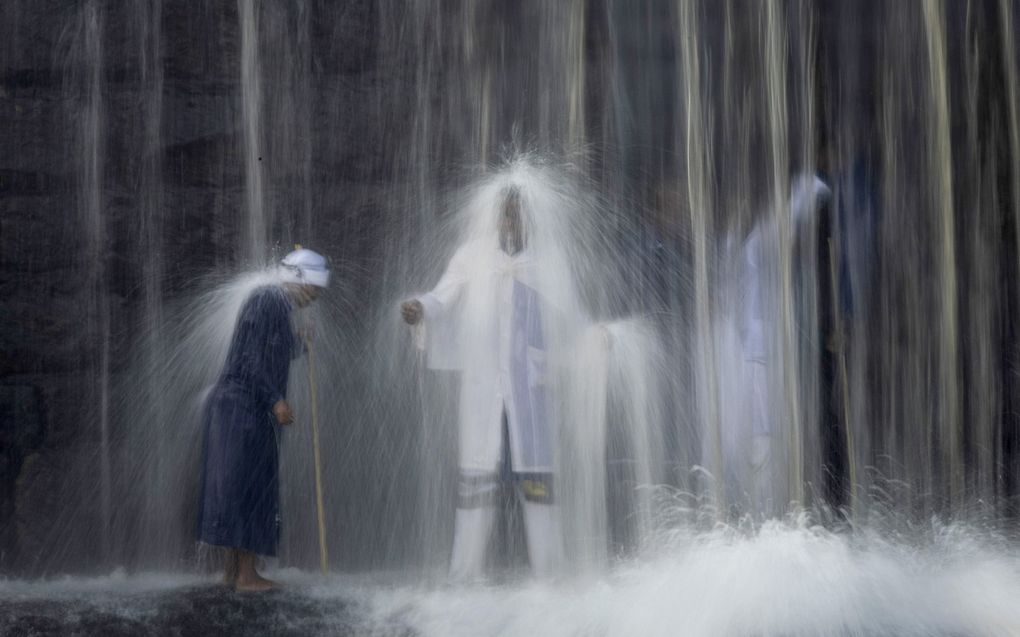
pixel 473 528
pixel 473 524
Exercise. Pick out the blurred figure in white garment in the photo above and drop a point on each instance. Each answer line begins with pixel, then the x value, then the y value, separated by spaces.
pixel 750 369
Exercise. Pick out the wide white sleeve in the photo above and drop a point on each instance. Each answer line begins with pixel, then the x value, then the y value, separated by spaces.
pixel 441 324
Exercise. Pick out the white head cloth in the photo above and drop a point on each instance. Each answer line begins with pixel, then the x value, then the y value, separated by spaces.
pixel 305 266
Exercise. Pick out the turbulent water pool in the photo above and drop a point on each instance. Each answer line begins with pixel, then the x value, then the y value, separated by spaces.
pixel 785 580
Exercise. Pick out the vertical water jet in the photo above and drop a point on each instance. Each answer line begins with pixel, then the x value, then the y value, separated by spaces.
pixel 159 413
pixel 698 177
pixel 789 408
pixel 90 179
pixel 257 224
pixel 947 417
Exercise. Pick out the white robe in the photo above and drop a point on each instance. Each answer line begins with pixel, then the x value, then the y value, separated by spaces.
pixel 748 367
pixel 485 318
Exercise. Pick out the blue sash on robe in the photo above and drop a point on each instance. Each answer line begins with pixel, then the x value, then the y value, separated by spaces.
pixel 528 366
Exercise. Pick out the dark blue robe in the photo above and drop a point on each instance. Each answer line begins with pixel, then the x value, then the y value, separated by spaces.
pixel 240 490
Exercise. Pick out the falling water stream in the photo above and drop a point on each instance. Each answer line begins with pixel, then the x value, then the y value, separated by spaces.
pixel 85 73
pixel 664 151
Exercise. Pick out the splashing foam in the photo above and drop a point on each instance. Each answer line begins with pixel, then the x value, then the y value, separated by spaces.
pixel 787 579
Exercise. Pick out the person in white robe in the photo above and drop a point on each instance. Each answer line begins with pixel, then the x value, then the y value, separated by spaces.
pixel 487 318
pixel 749 367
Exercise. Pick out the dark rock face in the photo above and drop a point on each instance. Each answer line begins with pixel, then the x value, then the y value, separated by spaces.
pixel 369 110
pixel 22 428
pixel 171 168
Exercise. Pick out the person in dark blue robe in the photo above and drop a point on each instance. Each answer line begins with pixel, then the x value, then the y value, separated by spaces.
pixel 239 507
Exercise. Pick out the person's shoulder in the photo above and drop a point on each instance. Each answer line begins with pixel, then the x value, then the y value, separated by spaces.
pixel 268 298
pixel 820 187
pixel 468 253
pixel 267 292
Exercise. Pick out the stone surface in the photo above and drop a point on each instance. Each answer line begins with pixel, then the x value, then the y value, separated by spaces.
pixel 194 611
pixel 22 428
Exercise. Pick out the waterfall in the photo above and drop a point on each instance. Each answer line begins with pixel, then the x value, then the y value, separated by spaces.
pixel 201 142
pixel 259 220
pixel 87 80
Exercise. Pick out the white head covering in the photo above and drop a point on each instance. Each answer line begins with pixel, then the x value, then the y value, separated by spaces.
pixel 807 195
pixel 305 266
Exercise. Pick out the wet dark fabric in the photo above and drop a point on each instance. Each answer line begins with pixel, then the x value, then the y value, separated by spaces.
pixel 239 505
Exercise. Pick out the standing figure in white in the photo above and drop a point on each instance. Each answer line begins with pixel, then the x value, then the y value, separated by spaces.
pixel 487 318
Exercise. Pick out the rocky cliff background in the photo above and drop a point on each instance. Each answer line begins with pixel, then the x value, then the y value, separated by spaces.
pixel 125 183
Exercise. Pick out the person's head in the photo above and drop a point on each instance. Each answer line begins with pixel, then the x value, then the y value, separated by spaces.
pixel 512 234
pixel 302 294
pixel 305 274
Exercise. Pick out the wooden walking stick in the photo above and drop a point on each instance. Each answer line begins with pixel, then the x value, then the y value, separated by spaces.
pixel 319 508
pixel 323 553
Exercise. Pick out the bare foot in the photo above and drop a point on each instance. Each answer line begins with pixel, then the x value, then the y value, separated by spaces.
pixel 248 579
pixel 253 584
